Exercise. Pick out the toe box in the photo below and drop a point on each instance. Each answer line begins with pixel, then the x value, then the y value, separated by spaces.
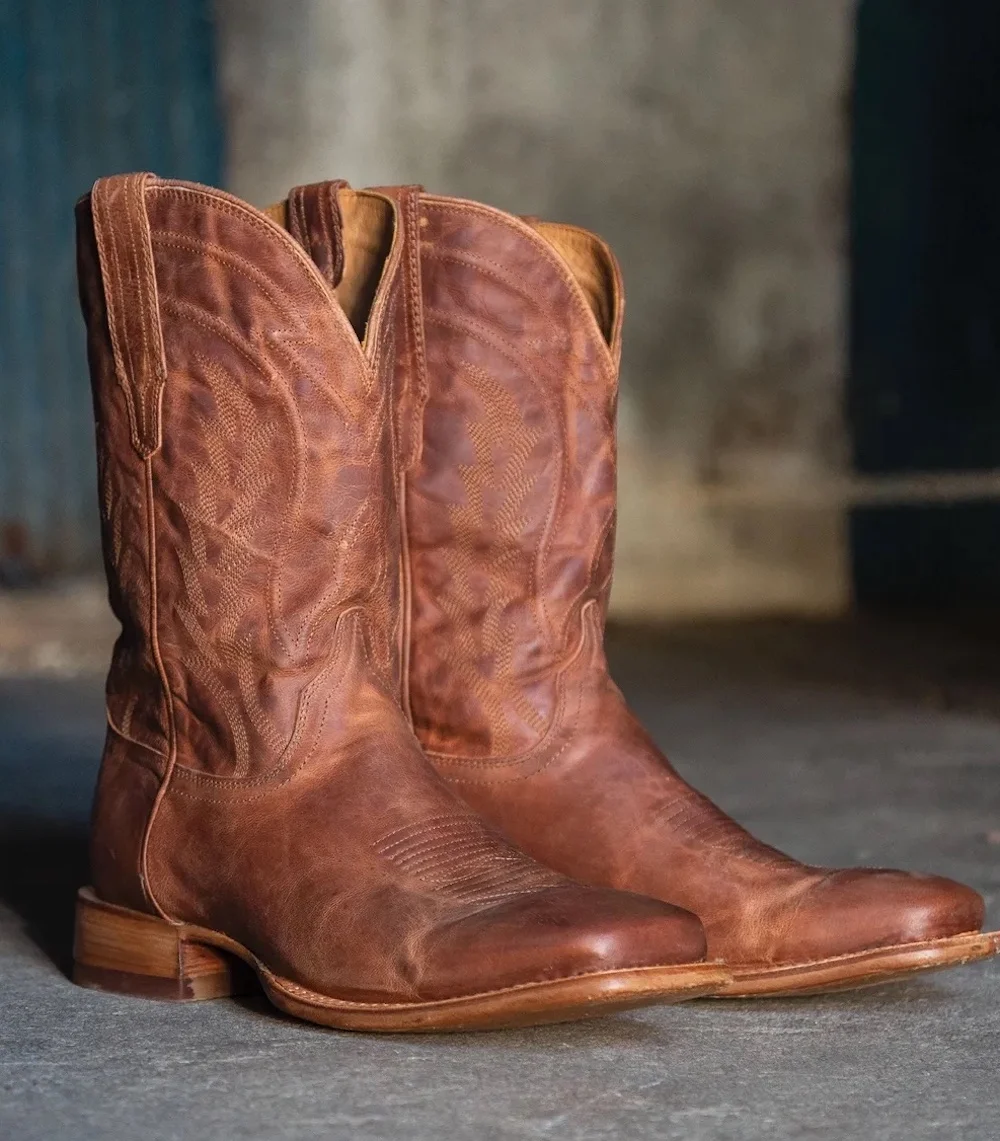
pixel 860 909
pixel 565 931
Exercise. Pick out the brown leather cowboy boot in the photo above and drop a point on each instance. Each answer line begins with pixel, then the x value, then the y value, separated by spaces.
pixel 262 798
pixel 509 492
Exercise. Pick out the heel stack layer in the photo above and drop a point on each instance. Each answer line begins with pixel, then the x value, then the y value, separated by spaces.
pixel 127 952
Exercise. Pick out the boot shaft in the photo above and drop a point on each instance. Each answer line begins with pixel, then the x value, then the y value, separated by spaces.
pixel 246 470
pixel 510 510
pixel 506 390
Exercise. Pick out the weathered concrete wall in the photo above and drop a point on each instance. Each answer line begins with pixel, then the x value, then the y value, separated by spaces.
pixel 706 140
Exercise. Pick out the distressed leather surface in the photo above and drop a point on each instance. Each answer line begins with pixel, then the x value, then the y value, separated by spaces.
pixel 510 521
pixel 260 777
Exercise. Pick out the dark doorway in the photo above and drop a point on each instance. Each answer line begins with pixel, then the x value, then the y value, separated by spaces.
pixel 924 388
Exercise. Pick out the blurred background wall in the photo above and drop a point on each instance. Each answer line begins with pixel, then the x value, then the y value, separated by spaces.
pixel 803 194
pixel 87 87
pixel 707 141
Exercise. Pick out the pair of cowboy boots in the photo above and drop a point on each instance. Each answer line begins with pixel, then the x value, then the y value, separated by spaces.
pixel 357 473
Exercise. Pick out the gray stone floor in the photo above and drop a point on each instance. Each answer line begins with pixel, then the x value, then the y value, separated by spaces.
pixel 841 743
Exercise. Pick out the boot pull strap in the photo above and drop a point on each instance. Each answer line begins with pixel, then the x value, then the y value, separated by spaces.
pixel 125 250
pixel 315 222
pixel 412 397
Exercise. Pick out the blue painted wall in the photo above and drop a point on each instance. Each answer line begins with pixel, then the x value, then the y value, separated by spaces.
pixel 87 88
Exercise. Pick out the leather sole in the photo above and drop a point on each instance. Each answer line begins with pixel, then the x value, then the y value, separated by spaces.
pixel 128 952
pixel 860 969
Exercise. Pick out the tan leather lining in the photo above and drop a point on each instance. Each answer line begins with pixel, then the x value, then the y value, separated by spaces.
pixel 278 213
pixel 368 237
pixel 587 258
pixel 368 230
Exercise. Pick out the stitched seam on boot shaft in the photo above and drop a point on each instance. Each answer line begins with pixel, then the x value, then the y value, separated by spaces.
pixel 218 328
pixel 415 317
pixel 226 204
pixel 597 399
pixel 501 274
pixel 298 634
pixel 154 766
pixel 133 378
pixel 561 719
pixel 498 217
pixel 462 325
pixel 164 681
pixel 405 600
pixel 219 787
pixel 142 373
pixel 557 635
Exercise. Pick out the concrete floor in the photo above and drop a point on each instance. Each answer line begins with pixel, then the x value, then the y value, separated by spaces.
pixel 876 746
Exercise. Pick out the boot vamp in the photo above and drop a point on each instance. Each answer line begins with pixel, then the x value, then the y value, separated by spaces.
pixel 601 803
pixel 845 911
pixel 358 873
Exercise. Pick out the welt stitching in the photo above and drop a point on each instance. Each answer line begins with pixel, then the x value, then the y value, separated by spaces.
pixel 317 999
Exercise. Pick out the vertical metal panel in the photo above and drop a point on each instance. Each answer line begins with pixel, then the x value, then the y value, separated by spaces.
pixel 87 88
